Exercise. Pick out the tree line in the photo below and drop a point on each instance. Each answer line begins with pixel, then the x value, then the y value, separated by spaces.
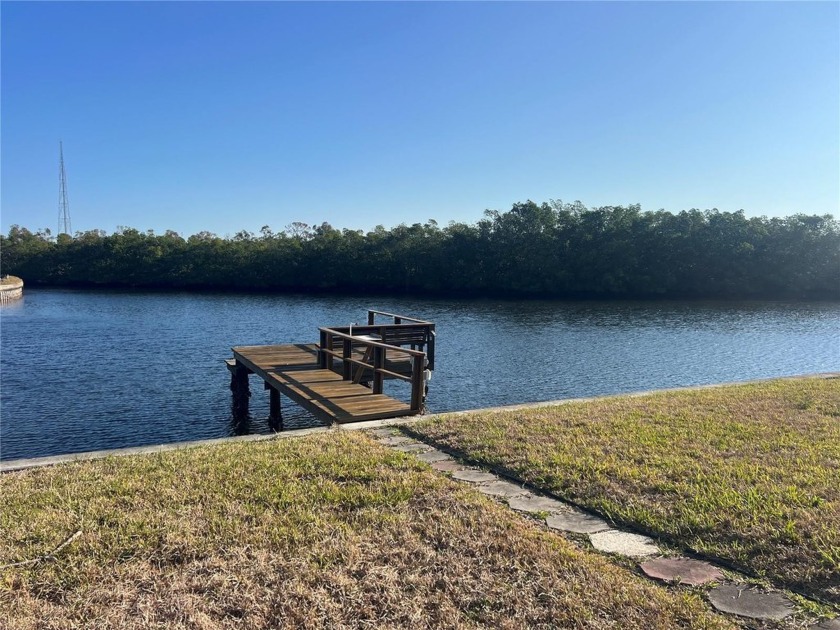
pixel 552 249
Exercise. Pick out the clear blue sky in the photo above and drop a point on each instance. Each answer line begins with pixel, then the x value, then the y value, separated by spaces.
pixel 229 116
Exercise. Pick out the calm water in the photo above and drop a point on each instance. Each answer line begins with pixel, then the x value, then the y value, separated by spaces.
pixel 84 370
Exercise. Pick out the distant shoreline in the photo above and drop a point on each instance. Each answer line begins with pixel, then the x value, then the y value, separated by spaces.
pixel 533 251
pixel 502 296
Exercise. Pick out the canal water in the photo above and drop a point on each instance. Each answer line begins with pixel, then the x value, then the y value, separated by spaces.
pixel 85 370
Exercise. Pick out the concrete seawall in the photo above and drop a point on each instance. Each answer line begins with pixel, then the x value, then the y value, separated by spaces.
pixel 36 462
pixel 11 289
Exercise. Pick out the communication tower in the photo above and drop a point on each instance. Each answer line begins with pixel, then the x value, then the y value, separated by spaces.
pixel 63 205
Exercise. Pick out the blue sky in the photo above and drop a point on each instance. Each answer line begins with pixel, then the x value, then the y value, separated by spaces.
pixel 229 116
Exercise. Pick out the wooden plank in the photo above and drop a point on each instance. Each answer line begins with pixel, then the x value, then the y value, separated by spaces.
pixel 278 357
pixel 294 371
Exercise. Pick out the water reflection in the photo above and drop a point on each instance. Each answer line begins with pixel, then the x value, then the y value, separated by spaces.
pixel 240 424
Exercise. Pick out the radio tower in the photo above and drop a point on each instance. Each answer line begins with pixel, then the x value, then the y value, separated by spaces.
pixel 63 206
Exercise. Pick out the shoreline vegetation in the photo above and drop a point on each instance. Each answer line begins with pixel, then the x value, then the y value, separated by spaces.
pixel 321 531
pixel 548 250
pixel 747 474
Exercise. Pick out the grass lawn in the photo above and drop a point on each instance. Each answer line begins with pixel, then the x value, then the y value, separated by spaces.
pixel 747 473
pixel 329 530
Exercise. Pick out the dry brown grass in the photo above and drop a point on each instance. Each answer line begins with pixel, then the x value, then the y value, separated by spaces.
pixel 750 474
pixel 327 531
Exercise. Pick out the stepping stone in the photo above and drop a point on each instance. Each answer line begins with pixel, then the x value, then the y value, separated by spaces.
pixel 411 447
pixel 533 503
pixel 433 456
pixel 576 522
pixel 474 476
pixel 447 465
pixel 501 489
pixel 624 543
pixel 383 433
pixel 738 599
pixel 394 440
pixel 828 624
pixel 682 571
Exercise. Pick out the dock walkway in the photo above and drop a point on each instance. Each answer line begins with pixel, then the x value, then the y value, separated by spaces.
pixel 341 379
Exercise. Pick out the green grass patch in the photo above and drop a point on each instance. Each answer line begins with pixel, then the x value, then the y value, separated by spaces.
pixel 325 531
pixel 748 473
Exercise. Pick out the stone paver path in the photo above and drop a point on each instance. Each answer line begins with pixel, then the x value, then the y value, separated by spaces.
pixel 447 465
pixel 413 447
pixel 736 599
pixel 576 522
pixel 433 456
pixel 534 504
pixel 394 440
pixel 740 600
pixel 682 571
pixel 382 433
pixel 624 543
pixel 501 489
pixel 473 476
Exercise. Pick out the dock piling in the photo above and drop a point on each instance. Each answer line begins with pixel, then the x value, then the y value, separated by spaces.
pixel 240 389
pixel 275 415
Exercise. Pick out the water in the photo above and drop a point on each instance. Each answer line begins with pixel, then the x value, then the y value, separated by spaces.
pixel 85 370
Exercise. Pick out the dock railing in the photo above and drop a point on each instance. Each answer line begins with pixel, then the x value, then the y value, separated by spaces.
pixel 398 319
pixel 404 330
pixel 374 358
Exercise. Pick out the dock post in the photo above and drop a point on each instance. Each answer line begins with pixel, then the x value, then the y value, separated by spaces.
pixel 378 364
pixel 275 415
pixel 347 353
pixel 417 383
pixel 241 392
pixel 322 356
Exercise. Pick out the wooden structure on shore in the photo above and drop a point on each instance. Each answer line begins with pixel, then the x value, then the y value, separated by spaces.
pixel 341 379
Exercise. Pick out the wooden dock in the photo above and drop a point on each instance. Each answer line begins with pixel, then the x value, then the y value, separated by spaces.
pixel 341 379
